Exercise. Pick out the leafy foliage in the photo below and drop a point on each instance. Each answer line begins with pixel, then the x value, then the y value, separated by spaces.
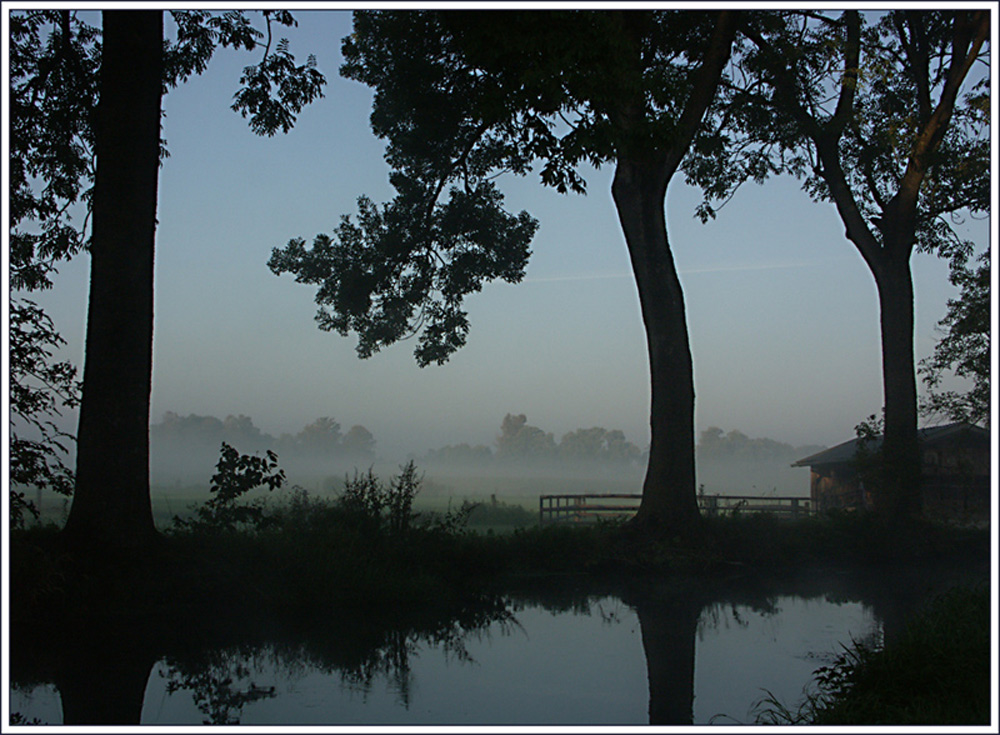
pixel 39 388
pixel 378 507
pixel 519 440
pixel 935 673
pixel 235 476
pixel 55 61
pixel 870 92
pixel 461 98
pixel 407 266
pixel 272 91
pixel 216 683
pixel 964 349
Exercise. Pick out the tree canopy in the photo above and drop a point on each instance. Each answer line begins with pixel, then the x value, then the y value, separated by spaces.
pixel 85 106
pixel 868 110
pixel 463 97
pixel 964 349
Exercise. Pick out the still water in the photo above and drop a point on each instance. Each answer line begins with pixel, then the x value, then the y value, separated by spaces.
pixel 656 653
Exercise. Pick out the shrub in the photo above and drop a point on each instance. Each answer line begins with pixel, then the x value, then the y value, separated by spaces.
pixel 379 507
pixel 235 476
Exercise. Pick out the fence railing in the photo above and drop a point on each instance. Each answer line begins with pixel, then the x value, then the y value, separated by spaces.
pixel 584 508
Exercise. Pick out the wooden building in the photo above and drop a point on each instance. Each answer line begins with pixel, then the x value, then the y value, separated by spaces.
pixel 955 481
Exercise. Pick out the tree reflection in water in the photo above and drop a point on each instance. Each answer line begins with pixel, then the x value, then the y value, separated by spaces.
pixel 219 682
pixel 101 667
pixel 223 681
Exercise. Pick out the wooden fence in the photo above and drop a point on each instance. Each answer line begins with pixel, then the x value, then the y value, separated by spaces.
pixel 583 508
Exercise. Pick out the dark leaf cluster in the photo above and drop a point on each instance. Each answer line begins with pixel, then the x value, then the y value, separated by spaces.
pixel 462 98
pixel 236 474
pixel 402 269
pixel 39 389
pixel 54 60
pixel 793 91
pixel 964 349
pixel 219 683
pixel 378 507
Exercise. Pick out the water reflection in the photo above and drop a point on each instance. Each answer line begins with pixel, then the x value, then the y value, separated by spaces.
pixel 658 652
pixel 220 683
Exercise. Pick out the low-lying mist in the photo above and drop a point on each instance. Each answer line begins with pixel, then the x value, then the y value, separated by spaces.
pixel 523 462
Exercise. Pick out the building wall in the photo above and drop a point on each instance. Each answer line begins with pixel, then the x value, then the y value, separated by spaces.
pixel 955 483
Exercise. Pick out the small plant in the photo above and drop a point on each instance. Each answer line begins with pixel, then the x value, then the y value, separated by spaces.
pixel 402 490
pixel 236 474
pixel 455 521
pixel 378 506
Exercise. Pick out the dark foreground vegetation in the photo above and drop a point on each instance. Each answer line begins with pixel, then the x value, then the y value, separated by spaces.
pixel 366 559
pixel 310 554
pixel 931 675
pixel 317 571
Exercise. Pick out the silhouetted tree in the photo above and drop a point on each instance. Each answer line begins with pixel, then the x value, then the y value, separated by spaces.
pixel 111 506
pixel 964 349
pixel 53 93
pixel 463 96
pixel 322 436
pixel 868 113
pixel 597 444
pixel 463 453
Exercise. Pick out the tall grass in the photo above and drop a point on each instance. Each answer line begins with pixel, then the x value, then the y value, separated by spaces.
pixel 936 673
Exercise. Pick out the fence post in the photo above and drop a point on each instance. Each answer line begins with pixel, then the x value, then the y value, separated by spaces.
pixel 795 507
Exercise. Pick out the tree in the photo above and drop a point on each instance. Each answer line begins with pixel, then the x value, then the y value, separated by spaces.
pixel 868 113
pixel 359 441
pixel 111 506
pixel 519 440
pixel 463 96
pixel 52 97
pixel 597 444
pixel 322 436
pixel 964 349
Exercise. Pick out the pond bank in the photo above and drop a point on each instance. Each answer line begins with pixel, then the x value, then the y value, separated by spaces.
pixel 320 559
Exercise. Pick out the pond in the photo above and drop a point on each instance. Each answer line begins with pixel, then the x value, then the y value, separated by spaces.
pixel 571 652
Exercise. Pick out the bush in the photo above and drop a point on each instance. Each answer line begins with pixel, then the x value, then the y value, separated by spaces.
pixel 378 507
pixel 499 513
pixel 235 476
pixel 936 673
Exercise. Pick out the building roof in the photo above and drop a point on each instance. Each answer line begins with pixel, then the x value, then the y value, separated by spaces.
pixel 846 452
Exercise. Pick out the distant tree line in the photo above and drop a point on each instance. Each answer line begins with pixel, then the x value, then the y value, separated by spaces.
pixel 520 441
pixel 715 444
pixel 323 437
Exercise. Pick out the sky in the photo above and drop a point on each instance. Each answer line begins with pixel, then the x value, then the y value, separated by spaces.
pixel 782 311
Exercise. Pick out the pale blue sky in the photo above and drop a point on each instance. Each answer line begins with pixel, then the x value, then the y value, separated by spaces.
pixel 782 312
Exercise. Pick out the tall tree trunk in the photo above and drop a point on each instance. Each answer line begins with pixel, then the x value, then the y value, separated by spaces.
pixel 668 494
pixel 899 498
pixel 111 505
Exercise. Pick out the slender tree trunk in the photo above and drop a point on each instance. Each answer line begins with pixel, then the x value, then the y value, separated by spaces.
pixel 899 498
pixel 668 494
pixel 111 505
